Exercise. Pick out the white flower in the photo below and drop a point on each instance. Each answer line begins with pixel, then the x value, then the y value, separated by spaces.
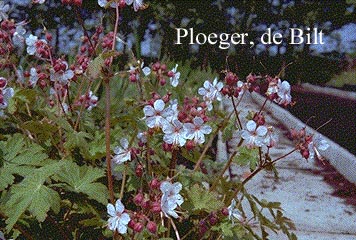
pixel 175 79
pixel 156 115
pixel 174 133
pixel 103 3
pixel 171 198
pixel 31 41
pixel 173 105
pixel 137 4
pixel 33 77
pixel 254 137
pixel 146 70
pixel 123 153
pixel 62 76
pixel 18 38
pixel 211 91
pixel 271 138
pixel 93 100
pixel 118 220
pixel 234 213
pixel 142 136
pixel 318 144
pixel 3 10
pixel 6 95
pixel 284 93
pixel 196 130
pixel 19 74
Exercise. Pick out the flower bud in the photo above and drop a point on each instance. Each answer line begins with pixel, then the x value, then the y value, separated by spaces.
pixel 48 36
pixel 202 228
pixel 156 66
pixel 145 204
pixel 138 227
pixel 139 170
pixel 151 227
pixel 122 3
pixel 131 224
pixel 225 211
pixel 154 183
pixel 305 153
pixel 190 145
pixel 231 79
pixel 162 81
pixel 170 74
pixel 163 67
pixel 138 199
pixel 3 82
pixel 213 219
pixel 156 207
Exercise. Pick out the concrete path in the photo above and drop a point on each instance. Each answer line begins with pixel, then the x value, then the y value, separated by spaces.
pixel 306 197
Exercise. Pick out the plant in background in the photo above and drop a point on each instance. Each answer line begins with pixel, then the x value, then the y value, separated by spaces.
pixel 90 149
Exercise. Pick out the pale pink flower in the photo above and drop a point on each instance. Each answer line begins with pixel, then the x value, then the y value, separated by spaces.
pixel 171 198
pixel 156 116
pixel 174 133
pixel 118 219
pixel 197 130
pixel 254 135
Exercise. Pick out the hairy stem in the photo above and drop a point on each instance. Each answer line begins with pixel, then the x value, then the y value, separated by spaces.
pixel 236 113
pixel 173 163
pixel 107 116
pixel 107 140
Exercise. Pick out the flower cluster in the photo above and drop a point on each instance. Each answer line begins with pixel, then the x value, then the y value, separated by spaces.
pixel 279 91
pixel 211 92
pixel 177 126
pixel 309 145
pixel 257 134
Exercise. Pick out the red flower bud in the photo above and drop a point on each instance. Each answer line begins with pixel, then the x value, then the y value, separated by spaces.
pixel 3 82
pixel 155 183
pixel 156 207
pixel 163 67
pixel 190 145
pixel 170 74
pixel 138 227
pixel 151 227
pixel 48 36
pixel 138 199
pixel 225 211
pixel 156 66
pixel 131 224
pixel 139 170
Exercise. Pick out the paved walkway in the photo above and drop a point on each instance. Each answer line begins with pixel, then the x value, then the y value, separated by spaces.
pixel 305 196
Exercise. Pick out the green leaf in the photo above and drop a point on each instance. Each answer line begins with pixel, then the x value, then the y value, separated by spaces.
pixel 78 139
pixel 83 180
pixel 6 176
pixel 202 199
pixel 94 67
pixel 32 195
pixel 247 156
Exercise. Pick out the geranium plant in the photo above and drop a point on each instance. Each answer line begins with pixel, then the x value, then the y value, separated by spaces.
pixel 93 149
